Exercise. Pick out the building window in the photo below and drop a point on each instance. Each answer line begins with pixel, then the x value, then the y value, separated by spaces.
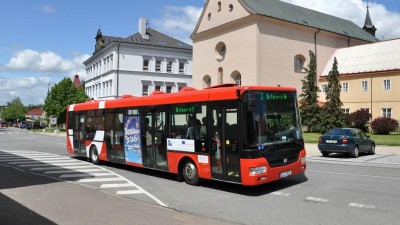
pixel 181 67
pixel 219 6
pixel 158 65
pixel 209 16
pixel 220 75
pixel 206 81
pixel 169 89
pixel 158 87
pixel 146 65
pixel 346 111
pixel 324 88
pixel 364 85
pixel 386 84
pixel 299 61
pixel 230 7
pixel 169 66
pixel 345 87
pixel 220 51
pixel 365 109
pixel 145 91
pixel 237 78
pixel 387 112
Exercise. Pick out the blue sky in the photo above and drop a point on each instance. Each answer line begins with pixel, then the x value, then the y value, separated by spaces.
pixel 43 41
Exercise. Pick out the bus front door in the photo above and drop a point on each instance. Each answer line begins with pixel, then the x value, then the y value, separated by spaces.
pixel 224 148
pixel 154 139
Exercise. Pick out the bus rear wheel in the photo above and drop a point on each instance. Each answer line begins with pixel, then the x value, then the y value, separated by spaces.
pixel 94 155
pixel 190 173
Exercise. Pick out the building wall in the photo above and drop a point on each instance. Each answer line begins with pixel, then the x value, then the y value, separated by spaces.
pixel 102 82
pixel 355 98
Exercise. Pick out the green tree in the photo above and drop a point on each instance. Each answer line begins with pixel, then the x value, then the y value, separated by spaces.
pixel 14 111
pixel 61 95
pixel 309 109
pixel 332 115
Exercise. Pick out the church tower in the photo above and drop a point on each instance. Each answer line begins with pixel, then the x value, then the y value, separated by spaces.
pixel 99 40
pixel 368 26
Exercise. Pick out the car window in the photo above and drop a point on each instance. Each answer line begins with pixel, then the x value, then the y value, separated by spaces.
pixel 339 132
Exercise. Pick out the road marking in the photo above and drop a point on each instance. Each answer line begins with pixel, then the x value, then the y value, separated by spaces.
pixel 85 175
pixel 24 158
pixel 90 180
pixel 116 185
pixel 72 171
pixel 357 205
pixel 353 174
pixel 278 193
pixel 129 192
pixel 316 200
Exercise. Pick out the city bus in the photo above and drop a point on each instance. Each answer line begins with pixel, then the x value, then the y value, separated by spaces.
pixel 249 135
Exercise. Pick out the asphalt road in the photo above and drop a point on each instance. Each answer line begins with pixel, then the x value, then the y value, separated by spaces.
pixel 335 190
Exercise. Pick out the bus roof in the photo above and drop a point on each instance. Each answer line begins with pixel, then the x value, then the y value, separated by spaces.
pixel 186 95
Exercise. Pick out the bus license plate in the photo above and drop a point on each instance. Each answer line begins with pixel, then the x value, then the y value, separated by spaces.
pixel 285 174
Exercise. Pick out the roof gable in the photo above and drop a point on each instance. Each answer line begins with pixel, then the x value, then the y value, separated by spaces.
pixel 307 17
pixel 35 112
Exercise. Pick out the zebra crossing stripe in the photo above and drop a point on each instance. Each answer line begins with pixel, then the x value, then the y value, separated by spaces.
pixel 59 167
pixel 100 179
pixel 85 175
pixel 129 192
pixel 116 185
pixel 72 171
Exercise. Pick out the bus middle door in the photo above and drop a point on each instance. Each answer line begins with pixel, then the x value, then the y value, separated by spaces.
pixel 224 147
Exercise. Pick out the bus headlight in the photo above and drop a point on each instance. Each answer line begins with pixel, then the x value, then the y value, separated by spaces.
pixel 257 170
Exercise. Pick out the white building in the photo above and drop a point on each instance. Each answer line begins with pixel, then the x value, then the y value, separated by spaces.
pixel 137 65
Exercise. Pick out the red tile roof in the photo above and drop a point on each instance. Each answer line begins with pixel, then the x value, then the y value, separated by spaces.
pixel 35 112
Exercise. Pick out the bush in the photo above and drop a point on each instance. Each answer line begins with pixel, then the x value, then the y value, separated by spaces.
pixel 384 125
pixel 359 119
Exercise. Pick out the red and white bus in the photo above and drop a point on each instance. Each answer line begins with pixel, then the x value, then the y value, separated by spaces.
pixel 248 135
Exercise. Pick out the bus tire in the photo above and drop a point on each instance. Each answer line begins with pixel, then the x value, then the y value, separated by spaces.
pixel 94 155
pixel 190 173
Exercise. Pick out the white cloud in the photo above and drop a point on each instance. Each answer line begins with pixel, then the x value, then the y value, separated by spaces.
pixel 355 10
pixel 30 60
pixel 178 22
pixel 48 9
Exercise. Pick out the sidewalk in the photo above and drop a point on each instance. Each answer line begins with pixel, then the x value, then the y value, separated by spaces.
pixel 312 149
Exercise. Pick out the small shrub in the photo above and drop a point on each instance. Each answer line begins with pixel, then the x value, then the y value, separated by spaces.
pixel 384 125
pixel 359 119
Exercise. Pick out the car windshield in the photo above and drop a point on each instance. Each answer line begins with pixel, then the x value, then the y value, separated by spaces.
pixel 339 132
pixel 272 117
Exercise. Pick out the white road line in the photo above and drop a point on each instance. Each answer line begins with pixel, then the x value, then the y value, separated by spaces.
pixel 357 205
pixel 316 200
pixel 54 164
pixel 278 193
pixel 72 171
pixel 100 180
pixel 116 185
pixel 60 167
pixel 85 175
pixel 352 174
pixel 129 192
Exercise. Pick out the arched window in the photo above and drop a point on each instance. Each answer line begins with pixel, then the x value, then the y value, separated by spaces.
pixel 206 81
pixel 220 75
pixel 220 51
pixel 237 77
pixel 219 6
pixel 299 61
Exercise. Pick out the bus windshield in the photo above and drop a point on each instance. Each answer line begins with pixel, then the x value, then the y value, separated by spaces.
pixel 271 117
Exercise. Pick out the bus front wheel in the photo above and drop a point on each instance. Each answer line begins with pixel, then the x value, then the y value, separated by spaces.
pixel 94 155
pixel 190 173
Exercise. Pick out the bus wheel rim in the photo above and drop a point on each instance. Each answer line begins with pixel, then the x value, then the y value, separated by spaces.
pixel 190 171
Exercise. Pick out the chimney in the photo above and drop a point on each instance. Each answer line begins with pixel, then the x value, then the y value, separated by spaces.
pixel 143 22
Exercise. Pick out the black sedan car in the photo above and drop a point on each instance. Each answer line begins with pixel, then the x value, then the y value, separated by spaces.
pixel 345 140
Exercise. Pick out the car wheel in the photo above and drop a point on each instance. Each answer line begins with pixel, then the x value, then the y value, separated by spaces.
pixel 94 155
pixel 190 174
pixel 372 150
pixel 325 154
pixel 355 152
